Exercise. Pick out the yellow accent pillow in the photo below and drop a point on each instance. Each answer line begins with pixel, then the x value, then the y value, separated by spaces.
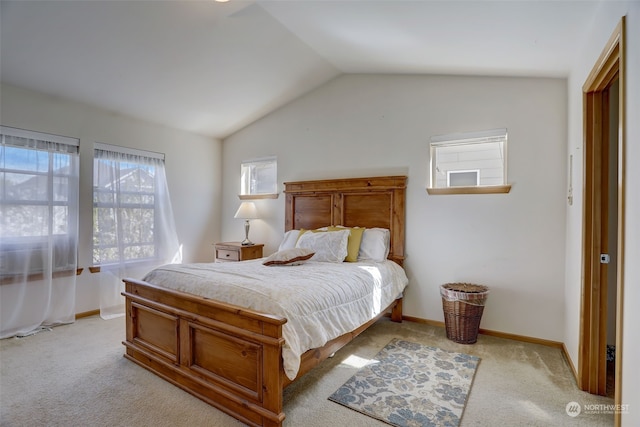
pixel 353 245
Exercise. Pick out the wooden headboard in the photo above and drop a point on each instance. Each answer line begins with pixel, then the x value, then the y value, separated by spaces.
pixel 350 202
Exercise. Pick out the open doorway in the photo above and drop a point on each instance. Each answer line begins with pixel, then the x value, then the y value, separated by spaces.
pixel 603 212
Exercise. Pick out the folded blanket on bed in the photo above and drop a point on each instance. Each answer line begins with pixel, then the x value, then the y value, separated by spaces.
pixel 320 300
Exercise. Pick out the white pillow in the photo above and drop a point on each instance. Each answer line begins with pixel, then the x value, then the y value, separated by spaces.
pixel 289 240
pixel 329 246
pixel 374 245
pixel 293 256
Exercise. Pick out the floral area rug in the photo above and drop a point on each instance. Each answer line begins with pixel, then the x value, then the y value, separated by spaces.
pixel 411 385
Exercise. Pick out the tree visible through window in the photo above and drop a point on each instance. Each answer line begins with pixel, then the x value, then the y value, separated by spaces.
pixel 127 195
pixel 38 201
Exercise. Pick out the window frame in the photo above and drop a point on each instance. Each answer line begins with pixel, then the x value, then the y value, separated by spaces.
pixel 43 242
pixel 117 205
pixel 246 166
pixel 468 138
pixel 463 171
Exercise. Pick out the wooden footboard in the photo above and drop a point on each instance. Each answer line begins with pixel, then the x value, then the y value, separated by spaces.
pixel 228 356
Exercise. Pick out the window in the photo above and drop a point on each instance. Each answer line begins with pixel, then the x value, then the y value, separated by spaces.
pixel 38 202
pixel 463 178
pixel 469 163
pixel 259 178
pixel 132 216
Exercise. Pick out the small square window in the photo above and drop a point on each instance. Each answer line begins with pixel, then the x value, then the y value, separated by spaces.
pixel 259 178
pixel 473 162
pixel 463 178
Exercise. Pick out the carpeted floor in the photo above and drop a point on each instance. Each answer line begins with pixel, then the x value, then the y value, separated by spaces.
pixel 75 375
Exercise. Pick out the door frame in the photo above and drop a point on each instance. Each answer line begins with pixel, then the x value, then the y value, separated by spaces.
pixel 593 316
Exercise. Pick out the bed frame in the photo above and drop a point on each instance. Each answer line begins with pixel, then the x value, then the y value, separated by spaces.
pixel 231 357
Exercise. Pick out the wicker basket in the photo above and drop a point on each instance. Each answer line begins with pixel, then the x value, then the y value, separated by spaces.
pixel 463 304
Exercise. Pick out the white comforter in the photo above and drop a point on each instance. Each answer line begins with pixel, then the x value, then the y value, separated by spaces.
pixel 320 300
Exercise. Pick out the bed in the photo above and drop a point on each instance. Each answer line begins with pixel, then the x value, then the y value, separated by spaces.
pixel 231 356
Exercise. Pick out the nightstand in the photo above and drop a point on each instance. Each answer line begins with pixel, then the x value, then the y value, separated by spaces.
pixel 235 251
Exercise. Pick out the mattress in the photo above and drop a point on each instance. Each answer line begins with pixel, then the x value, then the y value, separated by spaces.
pixel 320 300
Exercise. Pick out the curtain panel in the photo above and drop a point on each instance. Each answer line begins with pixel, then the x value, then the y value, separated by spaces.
pixel 133 225
pixel 38 230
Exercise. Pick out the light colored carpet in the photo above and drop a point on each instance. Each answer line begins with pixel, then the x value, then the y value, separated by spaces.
pixel 75 375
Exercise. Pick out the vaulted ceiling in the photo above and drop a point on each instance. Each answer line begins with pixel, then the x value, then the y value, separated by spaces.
pixel 212 68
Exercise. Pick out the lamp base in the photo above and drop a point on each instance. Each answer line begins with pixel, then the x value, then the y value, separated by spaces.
pixel 246 241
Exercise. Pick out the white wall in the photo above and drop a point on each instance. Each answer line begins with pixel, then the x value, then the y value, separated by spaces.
pixel 366 125
pixel 607 18
pixel 192 165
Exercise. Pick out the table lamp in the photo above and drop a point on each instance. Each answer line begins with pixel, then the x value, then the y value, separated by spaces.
pixel 246 211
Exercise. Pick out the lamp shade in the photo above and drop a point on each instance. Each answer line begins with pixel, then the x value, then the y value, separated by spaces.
pixel 247 210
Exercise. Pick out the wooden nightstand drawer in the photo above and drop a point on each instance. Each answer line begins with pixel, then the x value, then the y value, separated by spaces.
pixel 225 254
pixel 235 251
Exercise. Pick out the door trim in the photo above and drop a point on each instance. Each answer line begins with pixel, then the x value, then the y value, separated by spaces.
pixel 592 354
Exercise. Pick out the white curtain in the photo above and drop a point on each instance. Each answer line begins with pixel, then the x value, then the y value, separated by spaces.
pixel 133 226
pixel 38 230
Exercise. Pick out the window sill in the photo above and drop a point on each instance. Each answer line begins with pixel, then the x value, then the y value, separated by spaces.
pixel 257 196
pixel 37 277
pixel 489 189
pixel 138 263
